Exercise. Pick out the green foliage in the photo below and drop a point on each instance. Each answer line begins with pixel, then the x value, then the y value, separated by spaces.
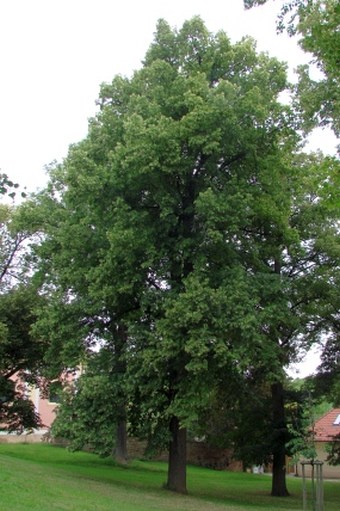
pixel 333 449
pixel 17 413
pixel 301 443
pixel 318 25
pixel 187 235
pixel 21 353
pixel 86 415
pixel 316 22
pixel 91 404
pixel 151 212
pixel 20 358
pixel 326 383
pixel 18 349
pixel 240 418
pixel 8 187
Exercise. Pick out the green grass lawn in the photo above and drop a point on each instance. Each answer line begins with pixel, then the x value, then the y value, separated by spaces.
pixel 38 477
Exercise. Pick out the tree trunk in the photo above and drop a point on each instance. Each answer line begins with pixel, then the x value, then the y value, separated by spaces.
pixel 177 458
pixel 119 334
pixel 279 488
pixel 121 454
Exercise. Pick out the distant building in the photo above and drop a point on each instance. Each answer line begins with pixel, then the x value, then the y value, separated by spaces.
pixel 45 404
pixel 326 430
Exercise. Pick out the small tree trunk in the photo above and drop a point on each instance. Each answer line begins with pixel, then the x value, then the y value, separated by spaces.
pixel 177 458
pixel 279 487
pixel 119 335
pixel 121 454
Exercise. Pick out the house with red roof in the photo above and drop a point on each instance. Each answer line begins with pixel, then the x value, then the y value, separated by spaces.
pixel 325 431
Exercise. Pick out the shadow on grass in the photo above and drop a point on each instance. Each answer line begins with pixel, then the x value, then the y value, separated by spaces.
pixel 245 491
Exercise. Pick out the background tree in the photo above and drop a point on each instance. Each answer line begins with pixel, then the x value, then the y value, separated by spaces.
pixel 20 353
pixel 295 267
pixel 243 422
pixel 13 245
pixel 307 268
pixel 316 23
pixel 88 294
pixel 20 358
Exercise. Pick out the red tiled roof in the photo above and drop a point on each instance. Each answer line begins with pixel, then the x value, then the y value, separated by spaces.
pixel 328 426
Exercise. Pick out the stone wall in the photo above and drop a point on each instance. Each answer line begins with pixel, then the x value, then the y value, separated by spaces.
pixel 198 453
pixel 30 438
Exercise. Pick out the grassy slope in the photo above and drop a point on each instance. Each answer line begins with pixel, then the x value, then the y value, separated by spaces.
pixel 38 477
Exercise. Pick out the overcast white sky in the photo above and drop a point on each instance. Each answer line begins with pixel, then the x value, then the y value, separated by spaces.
pixel 54 54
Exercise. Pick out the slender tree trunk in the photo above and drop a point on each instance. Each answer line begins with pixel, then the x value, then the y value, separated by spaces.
pixel 177 458
pixel 121 454
pixel 120 340
pixel 279 487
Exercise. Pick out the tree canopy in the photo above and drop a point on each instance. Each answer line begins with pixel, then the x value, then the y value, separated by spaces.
pixel 316 23
pixel 20 358
pixel 182 237
pixel 21 354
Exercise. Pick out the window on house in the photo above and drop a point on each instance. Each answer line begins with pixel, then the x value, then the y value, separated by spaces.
pixel 337 421
pixel 54 392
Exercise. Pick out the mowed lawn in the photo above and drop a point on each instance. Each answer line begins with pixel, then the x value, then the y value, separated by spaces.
pixel 38 477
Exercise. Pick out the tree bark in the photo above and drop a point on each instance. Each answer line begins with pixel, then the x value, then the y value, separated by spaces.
pixel 120 339
pixel 279 487
pixel 177 458
pixel 121 454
